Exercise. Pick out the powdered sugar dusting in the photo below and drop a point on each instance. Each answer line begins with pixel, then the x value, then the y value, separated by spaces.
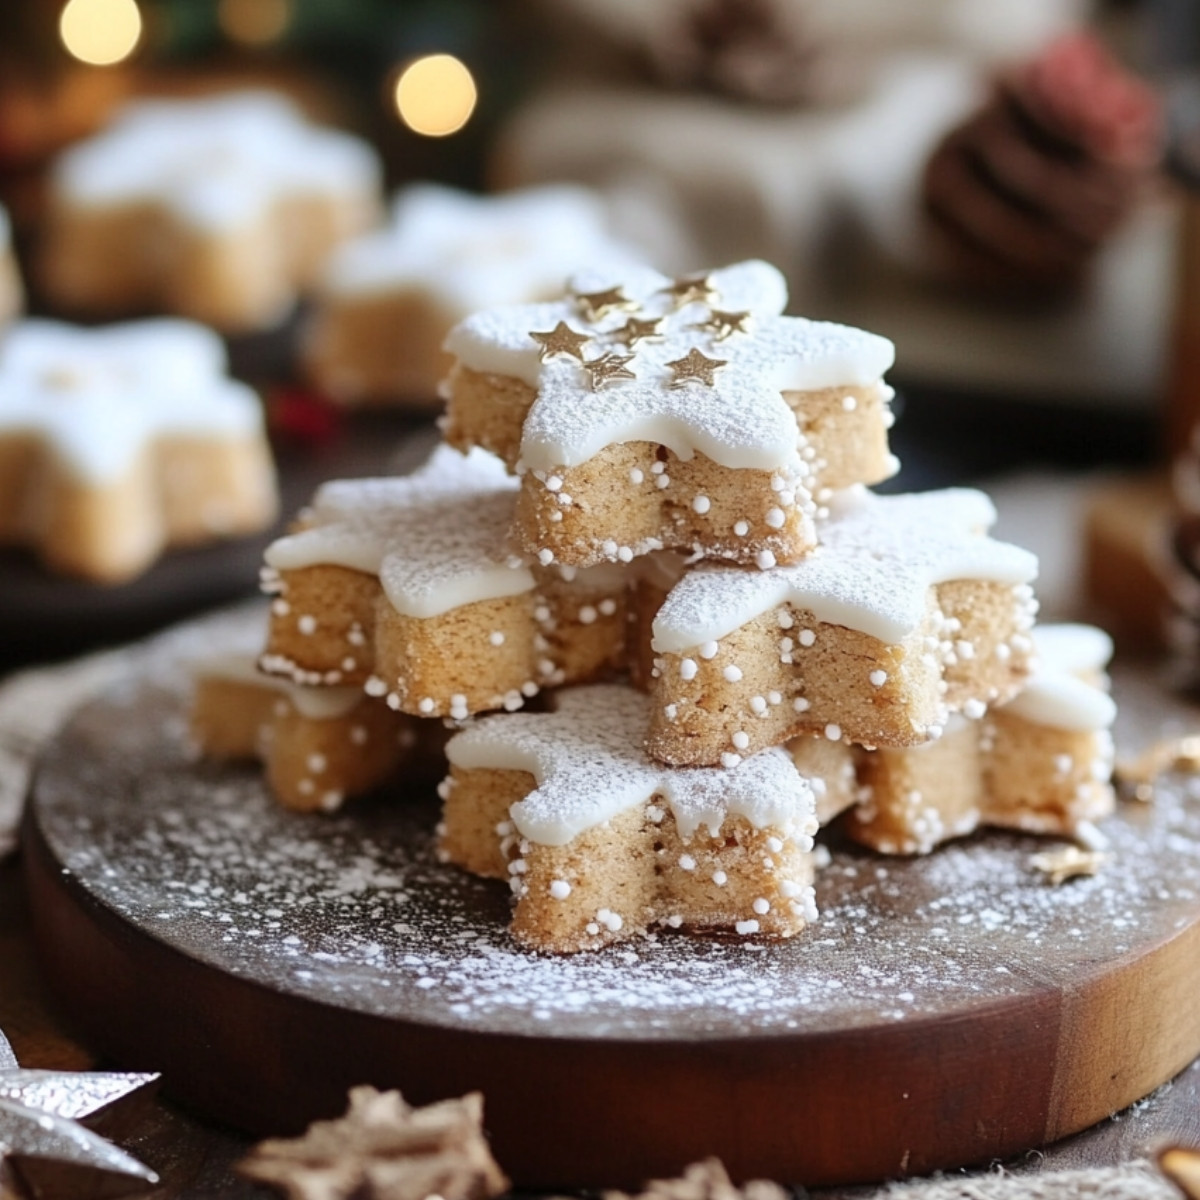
pixel 878 556
pixel 96 398
pixel 353 909
pixel 437 539
pixel 214 162
pixel 587 759
pixel 740 421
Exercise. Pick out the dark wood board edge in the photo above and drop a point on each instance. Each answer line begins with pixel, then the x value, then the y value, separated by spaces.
pixel 829 1109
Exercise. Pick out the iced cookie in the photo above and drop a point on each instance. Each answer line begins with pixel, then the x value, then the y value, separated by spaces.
pixel 387 300
pixel 645 413
pixel 1042 762
pixel 218 208
pixel 319 746
pixel 12 295
pixel 116 443
pixel 406 587
pixel 905 613
pixel 600 843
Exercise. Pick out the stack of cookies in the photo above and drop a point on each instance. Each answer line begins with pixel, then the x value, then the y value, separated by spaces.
pixel 652 514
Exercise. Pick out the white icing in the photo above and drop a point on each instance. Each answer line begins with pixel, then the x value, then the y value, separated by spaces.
pixel 215 162
pixel 96 397
pixel 742 421
pixel 589 766
pixel 878 556
pixel 315 703
pixel 437 539
pixel 474 252
pixel 1064 691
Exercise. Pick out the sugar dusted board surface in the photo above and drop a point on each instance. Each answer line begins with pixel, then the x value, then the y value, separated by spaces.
pixel 172 896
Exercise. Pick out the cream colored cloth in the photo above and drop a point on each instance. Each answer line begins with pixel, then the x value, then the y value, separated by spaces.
pixel 1131 1181
pixel 35 703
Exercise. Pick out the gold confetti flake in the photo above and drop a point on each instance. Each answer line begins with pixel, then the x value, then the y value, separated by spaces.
pixel 608 368
pixel 723 325
pixel 1068 862
pixel 640 329
pixel 695 367
pixel 1140 774
pixel 596 305
pixel 562 339
pixel 689 290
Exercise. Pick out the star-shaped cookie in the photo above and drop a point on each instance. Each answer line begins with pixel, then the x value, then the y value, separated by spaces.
pixel 599 840
pixel 127 438
pixel 906 612
pixel 727 452
pixel 383 574
pixel 217 208
pixel 387 299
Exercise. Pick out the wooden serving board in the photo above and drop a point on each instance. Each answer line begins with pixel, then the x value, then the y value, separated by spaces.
pixel 943 1011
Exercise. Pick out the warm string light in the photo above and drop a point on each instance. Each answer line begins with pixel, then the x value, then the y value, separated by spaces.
pixel 254 22
pixel 100 32
pixel 435 95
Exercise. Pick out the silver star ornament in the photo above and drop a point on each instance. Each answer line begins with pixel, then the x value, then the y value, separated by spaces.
pixel 46 1148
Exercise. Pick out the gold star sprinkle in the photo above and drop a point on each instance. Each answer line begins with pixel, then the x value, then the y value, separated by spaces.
pixel 723 324
pixel 607 368
pixel 1141 773
pixel 690 289
pixel 695 367
pixel 596 305
pixel 639 329
pixel 562 339
pixel 1068 862
pixel 1181 1165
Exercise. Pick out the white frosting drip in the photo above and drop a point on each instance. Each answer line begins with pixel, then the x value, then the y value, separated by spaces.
pixel 878 556
pixel 436 538
pixel 1064 691
pixel 216 162
pixel 474 252
pixel 589 766
pixel 96 397
pixel 315 703
pixel 742 421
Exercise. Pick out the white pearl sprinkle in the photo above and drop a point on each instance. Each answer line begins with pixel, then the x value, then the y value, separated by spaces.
pixel 701 504
pixel 732 674
pixel 560 889
pixel 709 649
pixel 688 669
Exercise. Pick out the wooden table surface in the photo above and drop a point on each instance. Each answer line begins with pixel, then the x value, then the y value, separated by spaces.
pixel 195 1160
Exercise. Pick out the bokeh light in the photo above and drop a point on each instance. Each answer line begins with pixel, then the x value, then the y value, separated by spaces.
pixel 435 95
pixel 254 22
pixel 100 32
